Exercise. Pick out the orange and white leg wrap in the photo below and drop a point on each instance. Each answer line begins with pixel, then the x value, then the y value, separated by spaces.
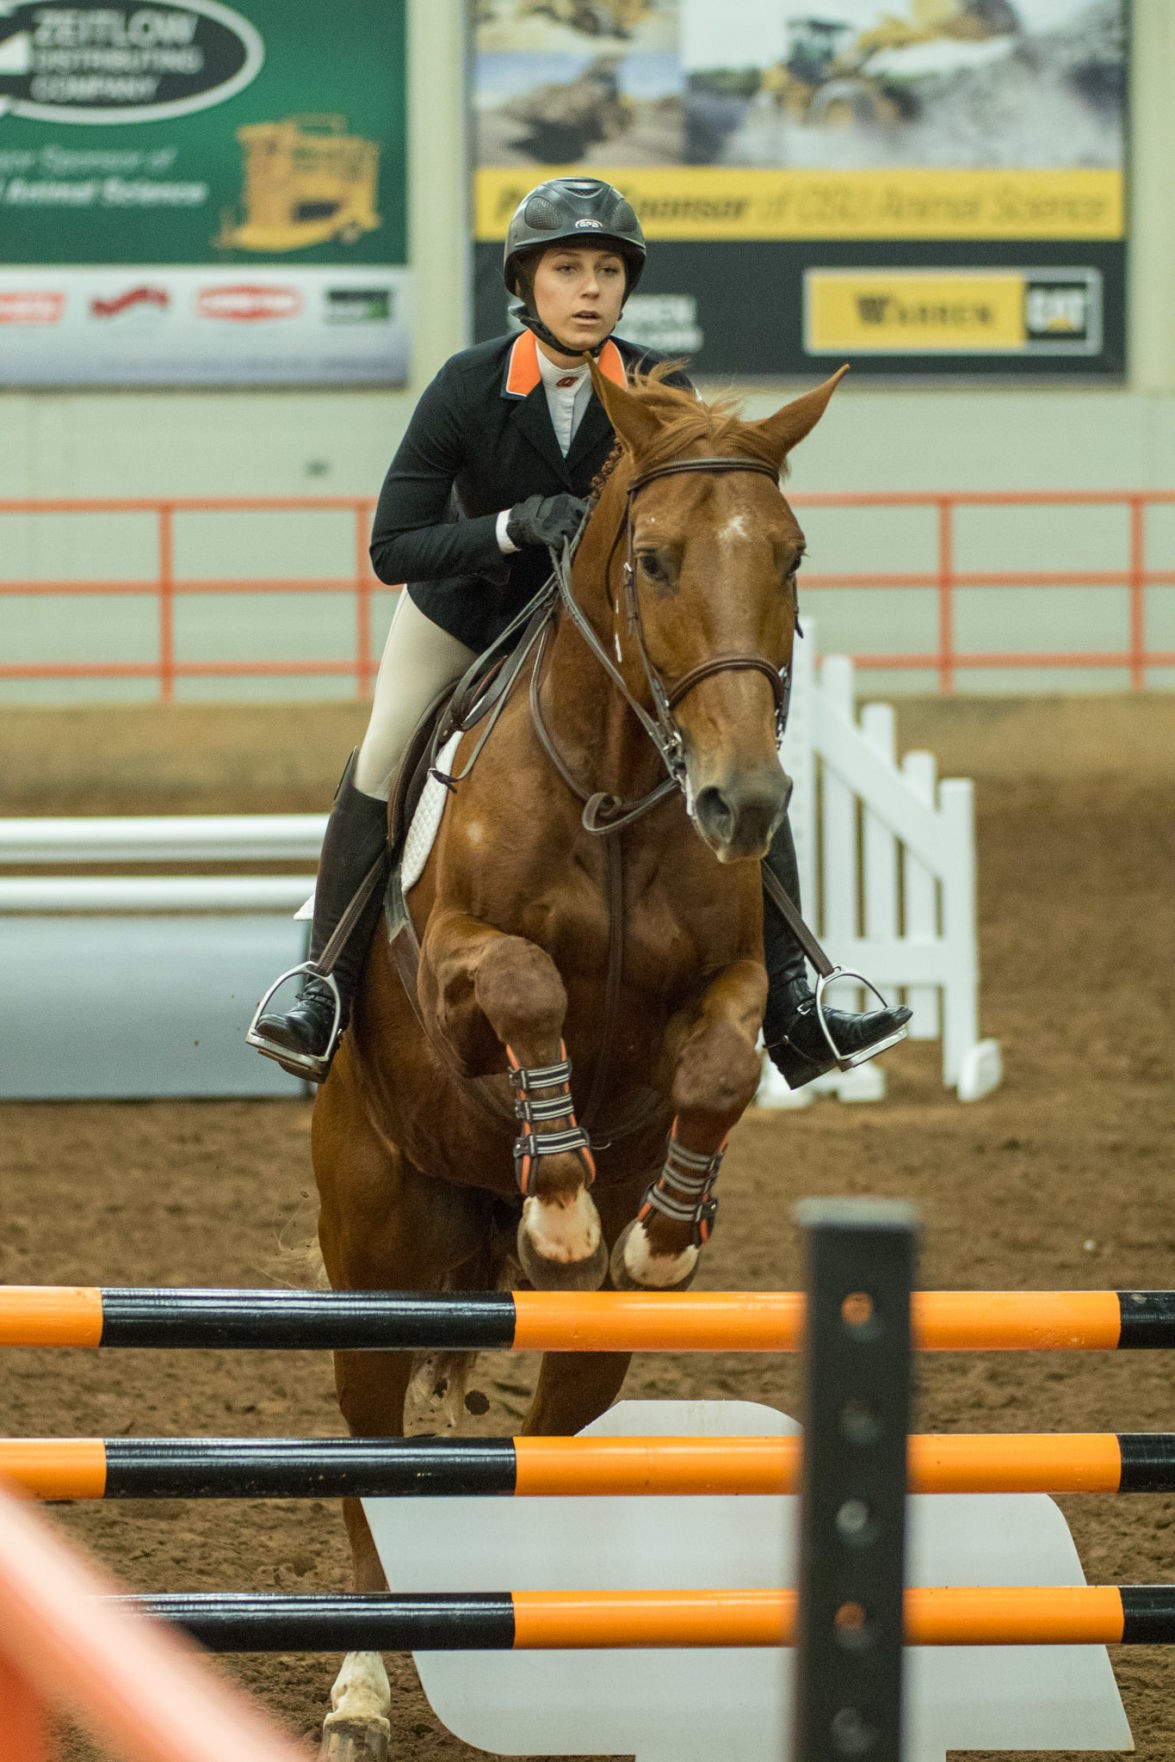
pixel 684 1190
pixel 542 1096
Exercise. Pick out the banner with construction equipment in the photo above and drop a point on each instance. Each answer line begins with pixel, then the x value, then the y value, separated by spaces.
pixel 201 193
pixel 915 186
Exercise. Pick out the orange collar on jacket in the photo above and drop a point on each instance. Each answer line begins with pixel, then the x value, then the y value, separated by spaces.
pixel 522 373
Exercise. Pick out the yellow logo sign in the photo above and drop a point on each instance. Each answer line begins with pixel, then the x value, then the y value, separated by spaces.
pixel 950 312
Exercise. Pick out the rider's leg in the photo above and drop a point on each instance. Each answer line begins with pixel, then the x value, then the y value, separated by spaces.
pixel 419 658
pixel 792 1033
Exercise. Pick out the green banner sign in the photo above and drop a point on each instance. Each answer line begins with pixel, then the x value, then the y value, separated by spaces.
pixel 242 167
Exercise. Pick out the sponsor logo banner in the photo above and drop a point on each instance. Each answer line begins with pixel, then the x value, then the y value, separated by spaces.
pixel 96 329
pixel 358 305
pixel 724 202
pixel 952 311
pixel 249 302
pixel 136 301
pixel 84 61
pixel 26 307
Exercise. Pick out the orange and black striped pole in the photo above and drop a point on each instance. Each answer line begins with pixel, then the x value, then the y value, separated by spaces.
pixel 322 1468
pixel 562 1321
pixel 1008 1615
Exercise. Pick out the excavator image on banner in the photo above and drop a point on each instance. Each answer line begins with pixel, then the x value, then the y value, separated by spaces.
pixel 833 78
pixel 614 18
pixel 307 181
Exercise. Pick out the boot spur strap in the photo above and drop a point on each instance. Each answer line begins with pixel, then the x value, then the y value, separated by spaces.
pixel 298 1064
pixel 684 1190
pixel 532 1109
pixel 846 1061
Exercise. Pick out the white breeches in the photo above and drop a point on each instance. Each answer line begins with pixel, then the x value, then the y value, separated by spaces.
pixel 418 659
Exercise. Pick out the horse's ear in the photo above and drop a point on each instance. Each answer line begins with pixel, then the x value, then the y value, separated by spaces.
pixel 630 416
pixel 788 426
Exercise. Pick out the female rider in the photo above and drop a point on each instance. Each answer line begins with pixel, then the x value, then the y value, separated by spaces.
pixel 495 467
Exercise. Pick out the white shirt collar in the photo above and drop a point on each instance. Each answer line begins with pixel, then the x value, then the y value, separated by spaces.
pixel 552 373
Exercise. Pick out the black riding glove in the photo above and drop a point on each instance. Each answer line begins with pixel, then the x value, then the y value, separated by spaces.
pixel 545 520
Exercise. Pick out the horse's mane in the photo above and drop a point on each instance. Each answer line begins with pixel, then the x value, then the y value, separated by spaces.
pixel 684 421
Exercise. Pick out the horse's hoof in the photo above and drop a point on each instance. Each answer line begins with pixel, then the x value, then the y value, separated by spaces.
pixel 354 1740
pixel 562 1275
pixel 624 1280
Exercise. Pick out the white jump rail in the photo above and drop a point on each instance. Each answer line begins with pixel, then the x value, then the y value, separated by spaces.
pixel 180 838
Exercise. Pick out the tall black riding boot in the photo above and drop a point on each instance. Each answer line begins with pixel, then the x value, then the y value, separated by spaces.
pixel 302 1040
pixel 795 1041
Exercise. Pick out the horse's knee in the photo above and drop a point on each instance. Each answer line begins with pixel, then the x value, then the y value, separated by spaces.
pixel 519 990
pixel 717 1072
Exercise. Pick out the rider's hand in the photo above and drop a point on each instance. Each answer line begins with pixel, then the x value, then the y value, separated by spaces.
pixel 545 520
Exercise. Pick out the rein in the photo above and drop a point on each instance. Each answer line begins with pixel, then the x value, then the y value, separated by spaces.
pixel 602 813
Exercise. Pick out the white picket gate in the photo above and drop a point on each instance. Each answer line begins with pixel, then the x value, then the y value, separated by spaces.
pixel 887 873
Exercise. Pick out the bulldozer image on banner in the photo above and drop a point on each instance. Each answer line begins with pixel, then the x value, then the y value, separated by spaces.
pixel 830 81
pixel 307 181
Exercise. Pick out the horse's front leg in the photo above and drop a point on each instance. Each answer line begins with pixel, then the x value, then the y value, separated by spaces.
pixel 498 1003
pixel 715 1079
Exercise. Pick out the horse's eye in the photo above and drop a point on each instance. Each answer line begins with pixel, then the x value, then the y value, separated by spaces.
pixel 651 564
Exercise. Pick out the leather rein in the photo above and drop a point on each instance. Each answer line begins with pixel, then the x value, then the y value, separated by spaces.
pixel 602 813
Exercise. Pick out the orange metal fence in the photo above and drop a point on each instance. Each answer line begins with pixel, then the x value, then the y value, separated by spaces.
pixel 354 578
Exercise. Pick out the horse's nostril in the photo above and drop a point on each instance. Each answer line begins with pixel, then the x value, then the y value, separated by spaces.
pixel 715 815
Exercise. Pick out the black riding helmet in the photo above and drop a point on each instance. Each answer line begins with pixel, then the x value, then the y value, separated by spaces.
pixel 566 210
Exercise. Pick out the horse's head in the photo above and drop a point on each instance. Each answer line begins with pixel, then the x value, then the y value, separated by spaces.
pixel 702 583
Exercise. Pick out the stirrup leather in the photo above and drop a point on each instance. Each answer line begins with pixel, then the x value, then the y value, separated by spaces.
pixel 531 1110
pixel 299 1064
pixel 684 1190
pixel 847 1061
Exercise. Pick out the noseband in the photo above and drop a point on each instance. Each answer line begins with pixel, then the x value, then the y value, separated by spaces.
pixel 601 814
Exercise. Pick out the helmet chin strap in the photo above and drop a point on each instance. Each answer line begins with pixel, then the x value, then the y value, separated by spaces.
pixel 545 335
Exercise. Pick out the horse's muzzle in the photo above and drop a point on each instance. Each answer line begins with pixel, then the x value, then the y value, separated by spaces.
pixel 739 821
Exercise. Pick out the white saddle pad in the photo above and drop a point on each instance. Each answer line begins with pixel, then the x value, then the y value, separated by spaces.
pixel 426 821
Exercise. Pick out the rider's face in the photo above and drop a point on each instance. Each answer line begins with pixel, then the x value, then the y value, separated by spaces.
pixel 578 293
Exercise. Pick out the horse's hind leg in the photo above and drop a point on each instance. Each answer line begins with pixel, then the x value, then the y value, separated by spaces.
pixel 499 1000
pixel 383 1225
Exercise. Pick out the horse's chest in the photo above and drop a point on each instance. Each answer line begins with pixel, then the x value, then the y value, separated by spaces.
pixel 640 920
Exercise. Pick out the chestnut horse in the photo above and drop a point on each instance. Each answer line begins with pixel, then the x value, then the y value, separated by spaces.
pixel 590 932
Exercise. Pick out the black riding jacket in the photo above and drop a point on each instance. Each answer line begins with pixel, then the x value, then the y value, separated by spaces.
pixel 480 440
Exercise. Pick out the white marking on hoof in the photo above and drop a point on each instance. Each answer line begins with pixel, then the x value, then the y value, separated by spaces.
pixel 656 1272
pixel 563 1228
pixel 361 1691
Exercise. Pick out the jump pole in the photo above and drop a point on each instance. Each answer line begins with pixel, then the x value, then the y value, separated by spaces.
pixel 335 1468
pixel 1013 1615
pixel 561 1321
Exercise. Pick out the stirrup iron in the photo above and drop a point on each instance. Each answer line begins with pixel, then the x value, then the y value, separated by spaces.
pixel 313 1066
pixel 847 1061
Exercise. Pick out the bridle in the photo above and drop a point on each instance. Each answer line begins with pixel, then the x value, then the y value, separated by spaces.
pixel 602 813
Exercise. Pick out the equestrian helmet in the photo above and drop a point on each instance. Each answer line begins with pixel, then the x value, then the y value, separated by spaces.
pixel 583 210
